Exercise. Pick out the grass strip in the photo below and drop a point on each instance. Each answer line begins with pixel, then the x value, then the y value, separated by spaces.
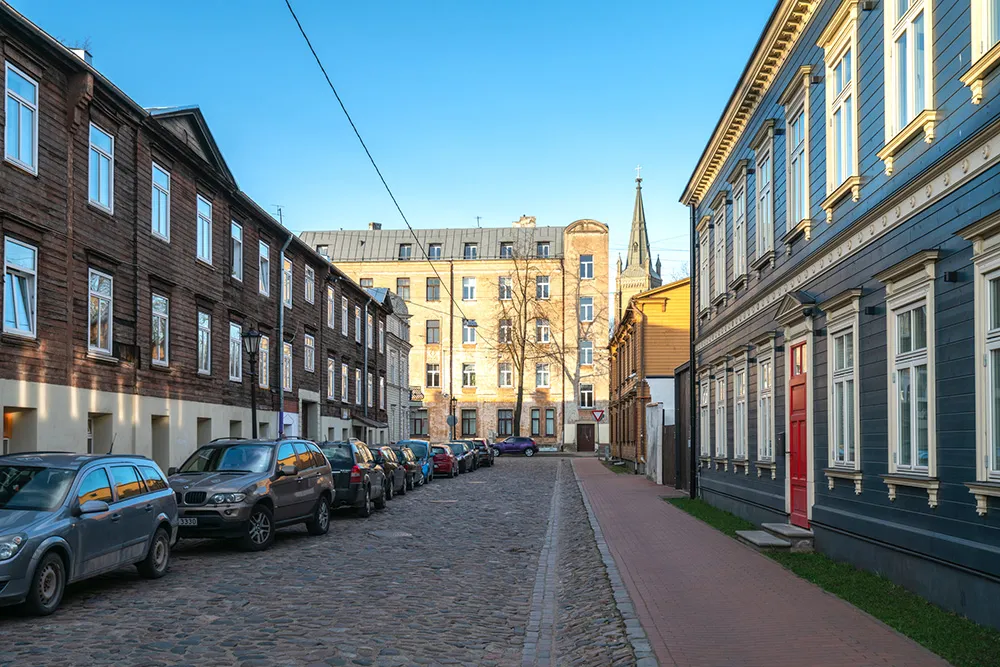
pixel 955 638
pixel 617 469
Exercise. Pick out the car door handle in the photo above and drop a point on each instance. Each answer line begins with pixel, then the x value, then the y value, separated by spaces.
pixel 149 507
pixel 116 516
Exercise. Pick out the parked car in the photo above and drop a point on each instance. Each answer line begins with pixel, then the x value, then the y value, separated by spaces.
pixel 67 517
pixel 422 451
pixel 246 489
pixel 359 481
pixel 517 445
pixel 414 476
pixel 463 453
pixel 445 461
pixel 395 472
pixel 484 452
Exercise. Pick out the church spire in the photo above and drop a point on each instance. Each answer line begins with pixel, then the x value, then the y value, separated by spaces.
pixel 638 240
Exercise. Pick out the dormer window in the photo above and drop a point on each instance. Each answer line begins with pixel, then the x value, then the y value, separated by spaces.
pixel 405 250
pixel 471 251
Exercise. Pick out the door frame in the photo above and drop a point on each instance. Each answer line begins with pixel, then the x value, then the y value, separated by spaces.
pixel 593 432
pixel 799 332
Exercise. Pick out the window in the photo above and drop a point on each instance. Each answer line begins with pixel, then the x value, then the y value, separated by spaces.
pixel 21 138
pixel 468 289
pixel 20 285
pixel 381 336
pixel 160 202
pixel 765 201
pixel 542 249
pixel 369 334
pixel 330 312
pixel 721 445
pixel 381 392
pixel 127 482
pixel 405 250
pixel 310 355
pixel 433 289
pixel 345 374
pixel 740 412
pixel 506 374
pixel 839 41
pixel 471 251
pixel 542 376
pixel 705 418
pixel 505 422
pixel 343 315
pixel 235 352
pixel 586 396
pixel 403 288
pixel 506 250
pixel 536 421
pixel 264 361
pixel 310 286
pixel 908 69
pixel 985 28
pixel 468 333
pixel 586 267
pixel 101 311
pixel 506 288
pixel 102 168
pixel 434 251
pixel 433 331
pixel 842 426
pixel 550 421
pixel 236 232
pixel 418 423
pixel 468 375
pixel 367 283
pixel 765 408
pixel 263 268
pixel 95 486
pixel 205 343
pixel 468 422
pixel 506 331
pixel 910 360
pixel 586 353
pixel 331 379
pixel 740 229
pixel 434 375
pixel 542 287
pixel 719 235
pixel 204 250
pixel 542 331
pixel 797 159
pixel 357 324
pixel 323 250
pixel 286 366
pixel 586 309
pixel 704 297
pixel 357 386
pixel 286 281
pixel 160 353
pixel 369 388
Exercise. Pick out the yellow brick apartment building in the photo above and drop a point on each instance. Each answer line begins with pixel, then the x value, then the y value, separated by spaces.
pixel 493 309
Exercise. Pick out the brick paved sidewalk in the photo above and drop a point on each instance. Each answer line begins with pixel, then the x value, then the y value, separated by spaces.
pixel 705 599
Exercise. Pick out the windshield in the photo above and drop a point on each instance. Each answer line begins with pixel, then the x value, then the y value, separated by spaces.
pixel 230 458
pixel 441 450
pixel 340 456
pixel 419 449
pixel 457 447
pixel 30 488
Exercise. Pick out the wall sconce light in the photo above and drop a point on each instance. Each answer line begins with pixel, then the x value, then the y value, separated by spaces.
pixel 871 310
pixel 868 5
pixel 951 276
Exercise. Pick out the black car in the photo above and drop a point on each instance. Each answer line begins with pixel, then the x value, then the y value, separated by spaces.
pixel 463 452
pixel 360 482
pixel 395 472
pixel 484 453
pixel 414 474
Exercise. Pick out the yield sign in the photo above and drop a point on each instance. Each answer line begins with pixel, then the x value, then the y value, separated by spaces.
pixel 598 415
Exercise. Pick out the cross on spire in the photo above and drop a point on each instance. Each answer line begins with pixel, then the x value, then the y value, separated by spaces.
pixel 638 172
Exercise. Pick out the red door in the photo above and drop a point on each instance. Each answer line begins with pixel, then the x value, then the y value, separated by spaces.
pixel 797 435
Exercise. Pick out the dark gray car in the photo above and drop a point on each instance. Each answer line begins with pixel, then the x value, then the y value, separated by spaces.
pixel 67 517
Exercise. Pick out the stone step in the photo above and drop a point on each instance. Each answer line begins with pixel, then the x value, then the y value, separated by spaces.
pixel 801 539
pixel 761 539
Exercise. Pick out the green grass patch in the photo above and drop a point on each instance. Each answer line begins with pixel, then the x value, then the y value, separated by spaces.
pixel 958 640
pixel 617 469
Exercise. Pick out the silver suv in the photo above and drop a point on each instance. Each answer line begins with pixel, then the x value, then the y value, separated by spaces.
pixel 245 489
pixel 66 517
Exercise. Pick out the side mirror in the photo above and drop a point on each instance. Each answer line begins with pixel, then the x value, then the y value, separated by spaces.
pixel 172 470
pixel 288 471
pixel 94 507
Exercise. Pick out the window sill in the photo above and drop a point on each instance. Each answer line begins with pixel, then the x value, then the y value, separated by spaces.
pixel 852 185
pixel 21 166
pixel 764 261
pixel 976 76
pixel 101 208
pixel 23 340
pixel 931 484
pixel 803 227
pixel 162 368
pixel 741 463
pixel 738 282
pixel 706 461
pixel 844 473
pixel 722 464
pixel 766 465
pixel 103 357
pixel 983 491
pixel 923 123
pixel 162 239
pixel 719 300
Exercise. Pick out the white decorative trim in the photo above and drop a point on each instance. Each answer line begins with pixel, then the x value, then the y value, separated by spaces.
pixel 930 484
pixel 983 492
pixel 844 473
pixel 843 316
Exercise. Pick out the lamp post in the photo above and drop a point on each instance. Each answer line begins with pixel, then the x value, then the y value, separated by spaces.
pixel 251 343
pixel 454 419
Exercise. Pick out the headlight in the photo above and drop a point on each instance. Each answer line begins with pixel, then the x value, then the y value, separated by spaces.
pixel 10 545
pixel 226 498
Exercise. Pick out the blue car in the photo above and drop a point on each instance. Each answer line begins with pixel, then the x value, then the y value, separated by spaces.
pixel 422 450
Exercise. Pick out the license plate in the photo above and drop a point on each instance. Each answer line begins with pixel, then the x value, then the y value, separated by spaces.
pixel 187 522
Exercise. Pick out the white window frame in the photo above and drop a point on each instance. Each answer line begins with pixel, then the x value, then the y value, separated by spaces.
pixel 468 288
pixel 740 227
pixel 542 376
pixel 236 254
pixel 331 378
pixel 468 374
pixel 586 309
pixel 505 288
pixel 264 363
pixel 896 26
pixel 543 288
pixel 432 376
pixel 91 345
pixel 235 352
pixel 470 251
pixel 33 106
pixel 705 416
pixel 543 249
pixel 204 342
pixel 101 154
pixel 506 374
pixel 203 224
pixel 543 331
pixel 30 277
pixel 381 392
pixel 839 40
pixel 765 403
pixel 287 278
pixel 434 251
pixel 468 333
pixel 158 191
pixel 741 386
pixel 381 337
pixel 287 358
pixel 357 324
pixel 721 425
pixel 587 398
pixel 155 320
pixel 586 352
pixel 309 358
pixel 982 18
pixel 357 386
pixel 586 267
pixel 344 310
pixel 331 308
pixel 369 330
pixel 345 383
pixel 797 207
pixel 719 249
pixel 371 388
pixel 986 265
pixel 310 286
pixel 263 268
pixel 842 320
pixel 764 193
pixel 704 273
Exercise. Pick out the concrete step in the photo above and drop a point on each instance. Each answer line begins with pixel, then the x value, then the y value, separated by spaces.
pixel 801 539
pixel 761 539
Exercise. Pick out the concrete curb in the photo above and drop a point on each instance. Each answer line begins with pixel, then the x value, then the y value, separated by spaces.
pixel 644 655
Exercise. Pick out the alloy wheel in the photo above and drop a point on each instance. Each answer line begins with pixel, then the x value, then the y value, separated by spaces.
pixel 260 528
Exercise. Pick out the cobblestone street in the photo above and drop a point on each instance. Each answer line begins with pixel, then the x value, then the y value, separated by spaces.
pixel 463 587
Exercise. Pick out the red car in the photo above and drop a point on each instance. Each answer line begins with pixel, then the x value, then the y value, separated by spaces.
pixel 445 462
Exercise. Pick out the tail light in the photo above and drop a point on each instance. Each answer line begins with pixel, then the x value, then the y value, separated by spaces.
pixel 355 475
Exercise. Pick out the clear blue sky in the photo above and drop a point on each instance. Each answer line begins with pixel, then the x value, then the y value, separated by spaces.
pixel 471 108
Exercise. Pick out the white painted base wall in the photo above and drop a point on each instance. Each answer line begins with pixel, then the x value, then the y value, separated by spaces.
pixel 661 390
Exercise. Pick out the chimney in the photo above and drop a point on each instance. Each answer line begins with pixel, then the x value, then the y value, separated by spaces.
pixel 525 221
pixel 375 226
pixel 84 55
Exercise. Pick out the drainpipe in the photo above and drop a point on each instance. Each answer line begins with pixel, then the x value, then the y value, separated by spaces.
pixel 692 396
pixel 281 338
pixel 364 342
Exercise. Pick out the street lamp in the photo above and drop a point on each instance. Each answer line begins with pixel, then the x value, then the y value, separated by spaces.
pixel 452 419
pixel 251 343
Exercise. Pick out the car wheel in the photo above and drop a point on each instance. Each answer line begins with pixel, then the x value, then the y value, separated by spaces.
pixel 155 564
pixel 47 586
pixel 496 451
pixel 402 488
pixel 319 524
pixel 260 529
pixel 455 471
pixel 380 502
pixel 529 452
pixel 366 509
pixel 389 491
pixel 412 482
